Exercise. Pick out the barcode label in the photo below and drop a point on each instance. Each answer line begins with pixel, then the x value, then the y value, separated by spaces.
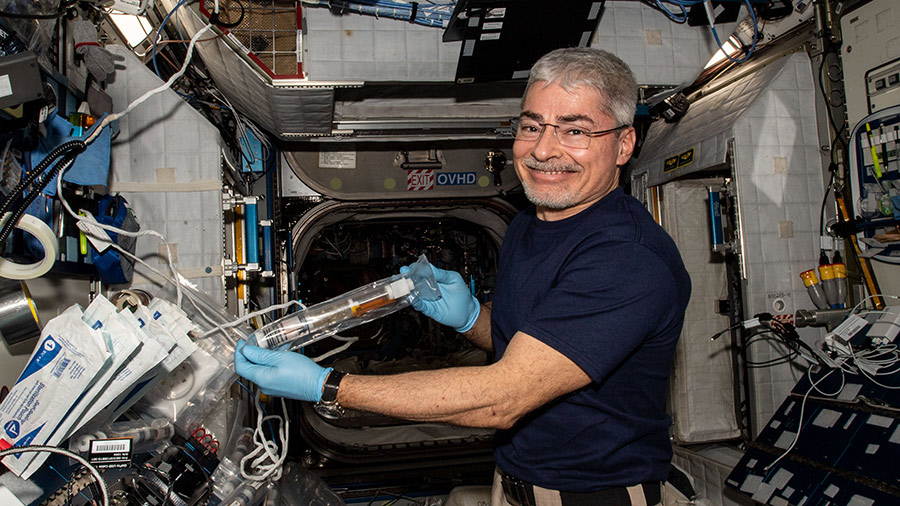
pixel 280 334
pixel 850 327
pixel 60 367
pixel 110 446
pixel 110 453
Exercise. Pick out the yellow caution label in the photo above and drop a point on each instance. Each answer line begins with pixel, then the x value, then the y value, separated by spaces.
pixel 678 161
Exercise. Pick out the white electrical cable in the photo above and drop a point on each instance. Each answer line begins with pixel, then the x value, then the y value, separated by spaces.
pixel 61 451
pixel 870 297
pixel 248 316
pixel 337 350
pixel 42 232
pixel 172 79
pixel 263 461
pixel 104 122
pixel 800 419
pixel 108 119
pixel 86 217
pixel 863 360
pixel 5 152
pixel 175 280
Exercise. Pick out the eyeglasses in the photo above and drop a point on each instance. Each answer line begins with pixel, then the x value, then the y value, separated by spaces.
pixel 568 135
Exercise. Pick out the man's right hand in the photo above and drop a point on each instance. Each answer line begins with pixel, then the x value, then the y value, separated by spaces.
pixel 456 308
pixel 280 373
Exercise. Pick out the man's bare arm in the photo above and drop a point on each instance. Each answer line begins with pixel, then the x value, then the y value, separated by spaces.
pixel 529 375
pixel 480 333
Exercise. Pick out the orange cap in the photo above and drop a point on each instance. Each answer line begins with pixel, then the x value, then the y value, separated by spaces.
pixel 840 270
pixel 826 272
pixel 809 278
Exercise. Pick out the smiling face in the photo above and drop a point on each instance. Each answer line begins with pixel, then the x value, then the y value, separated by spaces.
pixel 563 181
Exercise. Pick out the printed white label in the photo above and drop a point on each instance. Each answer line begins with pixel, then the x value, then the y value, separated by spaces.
pixel 110 445
pixel 5 86
pixel 337 159
pixel 495 25
pixel 98 237
pixel 490 36
pixel 850 327
pixel 110 453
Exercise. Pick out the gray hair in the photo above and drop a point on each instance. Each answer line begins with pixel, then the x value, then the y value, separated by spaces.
pixel 581 66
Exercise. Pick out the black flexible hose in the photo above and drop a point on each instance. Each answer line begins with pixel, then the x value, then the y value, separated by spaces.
pixel 66 161
pixel 17 192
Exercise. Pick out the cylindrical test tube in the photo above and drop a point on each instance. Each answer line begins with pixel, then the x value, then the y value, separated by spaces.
pixel 829 284
pixel 145 434
pixel 840 276
pixel 339 313
pixel 814 288
pixel 248 493
pixel 243 445
pixel 273 495
pixel 226 478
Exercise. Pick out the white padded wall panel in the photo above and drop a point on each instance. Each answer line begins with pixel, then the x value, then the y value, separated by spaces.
pixel 166 163
pixel 708 467
pixel 357 47
pixel 701 395
pixel 770 117
pixel 780 183
pixel 658 50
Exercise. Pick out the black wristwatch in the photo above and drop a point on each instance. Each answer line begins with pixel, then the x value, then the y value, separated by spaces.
pixel 328 406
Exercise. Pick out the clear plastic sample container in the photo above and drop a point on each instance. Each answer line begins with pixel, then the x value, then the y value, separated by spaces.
pixel 362 305
pixel 145 435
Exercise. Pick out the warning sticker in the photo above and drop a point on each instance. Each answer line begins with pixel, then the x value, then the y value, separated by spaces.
pixel 678 161
pixel 420 179
pixel 337 159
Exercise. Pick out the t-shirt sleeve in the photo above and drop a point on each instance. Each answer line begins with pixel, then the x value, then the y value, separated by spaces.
pixel 604 305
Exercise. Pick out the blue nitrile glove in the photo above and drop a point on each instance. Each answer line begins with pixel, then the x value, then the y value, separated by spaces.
pixel 456 308
pixel 280 373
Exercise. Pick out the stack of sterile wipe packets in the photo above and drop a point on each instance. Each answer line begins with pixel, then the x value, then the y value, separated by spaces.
pixel 125 343
pixel 67 361
pixel 88 368
pixel 142 368
pixel 180 347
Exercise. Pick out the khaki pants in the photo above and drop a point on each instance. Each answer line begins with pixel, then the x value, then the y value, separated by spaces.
pixel 547 497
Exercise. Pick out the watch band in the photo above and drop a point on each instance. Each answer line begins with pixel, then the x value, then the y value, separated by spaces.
pixel 328 406
pixel 330 388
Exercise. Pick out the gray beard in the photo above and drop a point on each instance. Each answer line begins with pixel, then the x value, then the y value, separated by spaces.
pixel 555 200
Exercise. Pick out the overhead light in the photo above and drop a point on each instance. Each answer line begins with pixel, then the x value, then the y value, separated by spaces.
pixel 134 28
pixel 730 47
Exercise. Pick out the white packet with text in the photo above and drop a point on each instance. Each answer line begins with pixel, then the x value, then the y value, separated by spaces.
pixel 69 357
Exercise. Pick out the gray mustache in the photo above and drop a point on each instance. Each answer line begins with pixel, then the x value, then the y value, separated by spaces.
pixel 533 164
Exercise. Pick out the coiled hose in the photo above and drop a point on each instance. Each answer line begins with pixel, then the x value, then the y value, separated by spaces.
pixel 69 150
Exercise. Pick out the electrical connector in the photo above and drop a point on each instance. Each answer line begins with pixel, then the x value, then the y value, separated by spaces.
pixel 885 328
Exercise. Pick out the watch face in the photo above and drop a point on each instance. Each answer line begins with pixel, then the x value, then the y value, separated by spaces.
pixel 331 411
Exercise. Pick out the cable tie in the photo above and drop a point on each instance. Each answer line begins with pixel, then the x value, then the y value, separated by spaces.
pixel 412 14
pixel 86 44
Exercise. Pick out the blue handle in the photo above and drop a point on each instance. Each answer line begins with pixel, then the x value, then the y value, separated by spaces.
pixel 251 225
pixel 715 216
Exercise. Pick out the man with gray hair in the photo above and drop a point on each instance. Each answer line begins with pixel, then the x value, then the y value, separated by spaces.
pixel 588 307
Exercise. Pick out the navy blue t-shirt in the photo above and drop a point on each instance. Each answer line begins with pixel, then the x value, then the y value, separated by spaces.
pixel 607 289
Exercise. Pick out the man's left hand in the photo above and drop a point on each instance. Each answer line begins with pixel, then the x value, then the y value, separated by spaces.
pixel 280 373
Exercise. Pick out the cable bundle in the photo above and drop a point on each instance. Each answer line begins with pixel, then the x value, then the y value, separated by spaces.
pixel 68 151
